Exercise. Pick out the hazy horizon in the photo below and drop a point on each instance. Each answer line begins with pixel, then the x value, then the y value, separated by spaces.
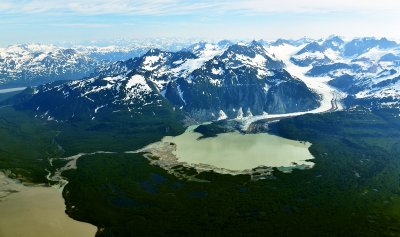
pixel 126 42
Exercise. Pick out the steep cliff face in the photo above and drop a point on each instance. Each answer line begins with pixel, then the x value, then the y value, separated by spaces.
pixel 230 92
pixel 240 92
pixel 288 97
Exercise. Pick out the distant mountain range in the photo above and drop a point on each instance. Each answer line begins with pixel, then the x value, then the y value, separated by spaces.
pixel 35 64
pixel 206 81
pixel 368 69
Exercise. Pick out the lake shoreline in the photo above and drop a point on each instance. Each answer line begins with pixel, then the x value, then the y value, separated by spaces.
pixel 166 153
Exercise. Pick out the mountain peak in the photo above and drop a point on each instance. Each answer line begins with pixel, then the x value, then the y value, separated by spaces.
pixel 153 52
pixel 225 43
pixel 311 47
pixel 359 46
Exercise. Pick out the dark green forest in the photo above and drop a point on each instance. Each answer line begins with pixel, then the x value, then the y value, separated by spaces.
pixel 353 189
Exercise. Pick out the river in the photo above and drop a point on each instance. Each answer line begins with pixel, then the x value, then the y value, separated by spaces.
pixel 32 211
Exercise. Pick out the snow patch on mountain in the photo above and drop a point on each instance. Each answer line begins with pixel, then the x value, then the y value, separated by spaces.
pixel 391 91
pixel 222 115
pixel 218 71
pixel 150 62
pixel 210 51
pixel 181 94
pixel 310 55
pixel 136 88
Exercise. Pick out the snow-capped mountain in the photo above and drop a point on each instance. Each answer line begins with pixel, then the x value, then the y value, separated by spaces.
pixel 360 46
pixel 244 79
pixel 96 97
pixel 35 64
pixel 366 68
pixel 379 90
pixel 226 80
pixel 111 53
pixel 298 42
pixel 211 82
pixel 164 43
pixel 312 54
pixel 319 53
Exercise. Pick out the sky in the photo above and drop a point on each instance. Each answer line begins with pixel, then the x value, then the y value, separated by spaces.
pixel 54 21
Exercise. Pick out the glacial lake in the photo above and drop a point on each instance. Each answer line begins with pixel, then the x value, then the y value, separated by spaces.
pixel 235 151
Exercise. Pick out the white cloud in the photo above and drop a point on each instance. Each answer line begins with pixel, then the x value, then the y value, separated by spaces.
pixel 176 7
pixel 82 25
pixel 5 6
pixel 312 6
pixel 96 7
